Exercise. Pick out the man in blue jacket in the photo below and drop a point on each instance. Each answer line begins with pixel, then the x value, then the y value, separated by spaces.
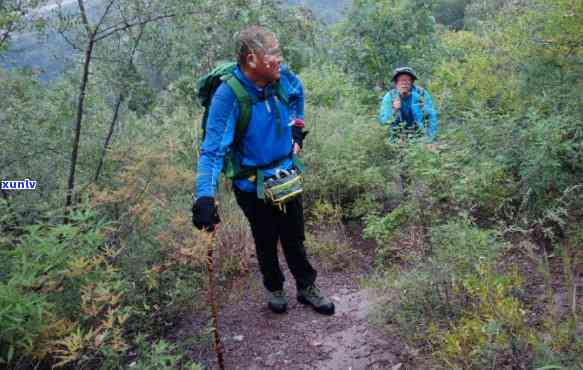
pixel 273 134
pixel 408 108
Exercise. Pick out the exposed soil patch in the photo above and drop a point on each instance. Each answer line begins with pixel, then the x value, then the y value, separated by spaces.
pixel 256 338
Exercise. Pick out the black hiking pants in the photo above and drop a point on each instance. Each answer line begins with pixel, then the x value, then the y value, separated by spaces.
pixel 269 225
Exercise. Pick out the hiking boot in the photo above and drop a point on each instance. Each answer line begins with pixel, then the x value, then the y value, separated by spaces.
pixel 313 297
pixel 277 301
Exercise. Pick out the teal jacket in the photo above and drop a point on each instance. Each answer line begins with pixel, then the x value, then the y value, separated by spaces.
pixel 412 112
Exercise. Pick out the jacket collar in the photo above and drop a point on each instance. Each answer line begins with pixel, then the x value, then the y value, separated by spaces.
pixel 257 91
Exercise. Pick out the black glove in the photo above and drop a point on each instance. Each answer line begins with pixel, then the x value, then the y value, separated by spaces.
pixel 205 214
pixel 299 135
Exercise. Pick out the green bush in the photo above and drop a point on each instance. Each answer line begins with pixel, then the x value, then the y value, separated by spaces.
pixel 23 319
pixel 458 303
pixel 460 247
pixel 328 86
pixel 345 156
pixel 160 355
pixel 61 296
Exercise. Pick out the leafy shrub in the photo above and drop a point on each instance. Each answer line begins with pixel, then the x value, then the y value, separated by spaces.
pixel 457 303
pixel 345 157
pixel 389 229
pixel 62 297
pixel 327 239
pixel 160 355
pixel 327 86
pixel 23 320
pixel 460 247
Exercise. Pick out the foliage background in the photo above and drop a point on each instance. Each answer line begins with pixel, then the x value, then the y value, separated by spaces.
pixel 479 260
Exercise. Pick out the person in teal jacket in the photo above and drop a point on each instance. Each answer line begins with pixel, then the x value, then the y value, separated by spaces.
pixel 408 107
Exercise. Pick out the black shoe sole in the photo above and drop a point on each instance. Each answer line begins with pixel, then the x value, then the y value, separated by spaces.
pixel 324 310
pixel 277 309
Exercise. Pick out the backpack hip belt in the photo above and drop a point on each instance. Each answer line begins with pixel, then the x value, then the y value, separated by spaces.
pixel 278 189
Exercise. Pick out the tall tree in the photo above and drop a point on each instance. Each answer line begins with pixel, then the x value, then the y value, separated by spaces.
pixel 115 16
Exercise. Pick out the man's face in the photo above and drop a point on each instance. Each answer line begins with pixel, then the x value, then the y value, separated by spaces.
pixel 269 62
pixel 404 83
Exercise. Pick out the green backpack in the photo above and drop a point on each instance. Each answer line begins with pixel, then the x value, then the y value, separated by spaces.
pixel 207 85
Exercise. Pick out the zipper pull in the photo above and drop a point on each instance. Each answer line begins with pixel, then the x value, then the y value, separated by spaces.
pixel 267 106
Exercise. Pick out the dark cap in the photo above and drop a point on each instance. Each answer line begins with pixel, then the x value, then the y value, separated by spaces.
pixel 404 71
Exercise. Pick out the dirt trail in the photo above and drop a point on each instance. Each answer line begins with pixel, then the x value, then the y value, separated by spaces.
pixel 256 338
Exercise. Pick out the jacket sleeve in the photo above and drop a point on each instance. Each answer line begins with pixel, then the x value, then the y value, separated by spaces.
pixel 432 114
pixel 220 132
pixel 386 110
pixel 296 94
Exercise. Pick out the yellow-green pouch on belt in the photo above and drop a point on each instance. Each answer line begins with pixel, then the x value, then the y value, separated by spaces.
pixel 286 185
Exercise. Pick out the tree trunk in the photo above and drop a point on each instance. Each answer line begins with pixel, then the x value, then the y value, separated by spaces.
pixel 109 135
pixel 78 121
pixel 116 108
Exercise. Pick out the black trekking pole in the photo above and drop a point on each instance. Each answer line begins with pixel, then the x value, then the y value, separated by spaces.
pixel 212 299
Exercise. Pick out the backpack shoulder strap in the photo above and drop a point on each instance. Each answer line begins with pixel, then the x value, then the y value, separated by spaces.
pixel 281 94
pixel 280 86
pixel 245 105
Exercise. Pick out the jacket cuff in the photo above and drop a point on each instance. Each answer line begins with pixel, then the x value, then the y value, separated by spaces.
pixel 298 136
pixel 297 122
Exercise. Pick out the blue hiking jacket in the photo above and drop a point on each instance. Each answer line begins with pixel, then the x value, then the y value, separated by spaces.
pixel 266 140
pixel 410 112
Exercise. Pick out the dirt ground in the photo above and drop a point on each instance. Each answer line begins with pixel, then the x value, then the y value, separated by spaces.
pixel 255 338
